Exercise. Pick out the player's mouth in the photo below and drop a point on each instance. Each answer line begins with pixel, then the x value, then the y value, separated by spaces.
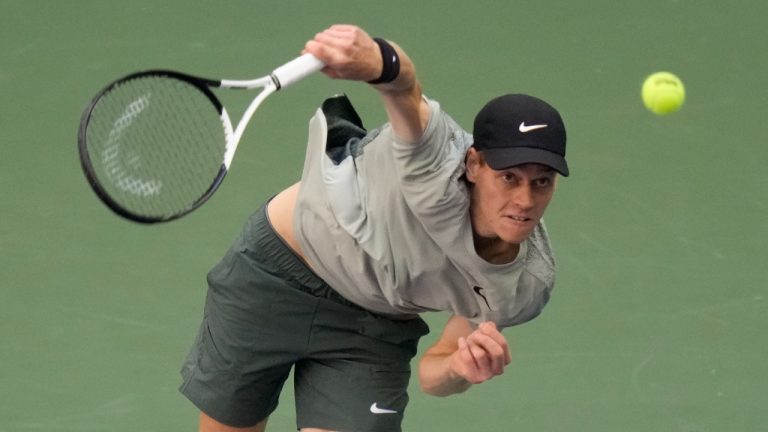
pixel 518 218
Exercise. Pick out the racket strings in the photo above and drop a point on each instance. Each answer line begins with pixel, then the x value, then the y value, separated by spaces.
pixel 156 145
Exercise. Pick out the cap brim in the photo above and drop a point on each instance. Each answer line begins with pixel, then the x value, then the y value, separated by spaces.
pixel 503 158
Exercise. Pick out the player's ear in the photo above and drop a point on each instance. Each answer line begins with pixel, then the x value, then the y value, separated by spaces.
pixel 473 161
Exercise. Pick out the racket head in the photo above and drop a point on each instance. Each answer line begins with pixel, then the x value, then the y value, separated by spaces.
pixel 152 144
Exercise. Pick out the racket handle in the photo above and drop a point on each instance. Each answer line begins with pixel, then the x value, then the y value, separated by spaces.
pixel 296 70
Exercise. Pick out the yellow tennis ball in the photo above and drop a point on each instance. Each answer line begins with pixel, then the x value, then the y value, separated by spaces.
pixel 663 93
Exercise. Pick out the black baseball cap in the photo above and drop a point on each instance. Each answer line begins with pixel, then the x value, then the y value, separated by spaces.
pixel 516 129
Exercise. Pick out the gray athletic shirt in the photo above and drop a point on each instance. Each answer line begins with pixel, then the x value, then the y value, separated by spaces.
pixel 389 228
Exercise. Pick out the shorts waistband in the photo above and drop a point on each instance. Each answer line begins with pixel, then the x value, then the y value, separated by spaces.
pixel 274 251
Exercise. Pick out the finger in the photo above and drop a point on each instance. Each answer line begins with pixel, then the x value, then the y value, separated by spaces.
pixel 489 328
pixel 494 352
pixel 465 352
pixel 467 365
pixel 348 31
pixel 482 358
pixel 343 37
pixel 323 53
pixel 462 342
pixel 339 29
pixel 464 365
pixel 333 38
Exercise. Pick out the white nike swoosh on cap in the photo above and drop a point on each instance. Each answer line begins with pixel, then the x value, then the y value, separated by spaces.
pixel 376 410
pixel 524 128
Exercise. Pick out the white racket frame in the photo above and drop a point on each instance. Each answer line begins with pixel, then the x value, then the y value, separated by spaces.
pixel 285 75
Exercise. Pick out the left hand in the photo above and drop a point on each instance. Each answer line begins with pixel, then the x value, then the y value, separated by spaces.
pixel 482 355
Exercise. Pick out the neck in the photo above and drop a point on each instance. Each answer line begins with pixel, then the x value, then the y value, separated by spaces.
pixel 495 250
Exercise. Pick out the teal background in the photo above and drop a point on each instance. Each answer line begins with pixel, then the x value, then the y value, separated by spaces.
pixel 659 317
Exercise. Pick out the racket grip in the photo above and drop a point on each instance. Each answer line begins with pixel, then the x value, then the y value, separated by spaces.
pixel 296 70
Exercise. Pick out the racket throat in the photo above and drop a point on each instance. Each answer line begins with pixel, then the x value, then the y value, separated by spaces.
pixel 275 81
pixel 230 144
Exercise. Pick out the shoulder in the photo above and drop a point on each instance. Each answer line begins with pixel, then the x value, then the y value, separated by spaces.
pixel 443 140
pixel 540 259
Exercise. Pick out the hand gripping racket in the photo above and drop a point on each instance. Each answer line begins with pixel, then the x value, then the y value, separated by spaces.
pixel 155 145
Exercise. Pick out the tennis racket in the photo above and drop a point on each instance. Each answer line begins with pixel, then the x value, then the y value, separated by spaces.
pixel 155 145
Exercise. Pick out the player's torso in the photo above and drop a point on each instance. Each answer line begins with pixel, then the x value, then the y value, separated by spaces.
pixel 358 231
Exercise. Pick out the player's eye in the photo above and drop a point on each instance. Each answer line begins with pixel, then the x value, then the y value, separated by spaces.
pixel 543 182
pixel 508 178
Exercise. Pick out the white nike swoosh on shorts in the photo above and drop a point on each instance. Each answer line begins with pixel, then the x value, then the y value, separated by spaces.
pixel 376 410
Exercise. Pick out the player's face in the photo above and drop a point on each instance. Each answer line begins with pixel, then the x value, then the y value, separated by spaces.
pixel 508 204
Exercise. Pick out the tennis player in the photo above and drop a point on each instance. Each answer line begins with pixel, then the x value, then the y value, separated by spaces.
pixel 328 278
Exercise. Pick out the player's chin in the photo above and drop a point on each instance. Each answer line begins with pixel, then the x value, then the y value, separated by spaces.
pixel 517 231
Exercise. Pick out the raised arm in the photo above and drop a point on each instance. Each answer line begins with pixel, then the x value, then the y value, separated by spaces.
pixel 351 54
pixel 463 356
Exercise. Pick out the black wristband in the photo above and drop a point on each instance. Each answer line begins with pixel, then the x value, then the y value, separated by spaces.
pixel 390 67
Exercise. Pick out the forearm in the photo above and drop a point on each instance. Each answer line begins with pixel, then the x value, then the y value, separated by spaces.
pixel 436 377
pixel 407 110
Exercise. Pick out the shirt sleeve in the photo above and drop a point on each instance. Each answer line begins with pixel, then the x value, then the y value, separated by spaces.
pixel 430 172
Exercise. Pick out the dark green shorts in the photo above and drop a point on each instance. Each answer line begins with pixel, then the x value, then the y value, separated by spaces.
pixel 265 313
